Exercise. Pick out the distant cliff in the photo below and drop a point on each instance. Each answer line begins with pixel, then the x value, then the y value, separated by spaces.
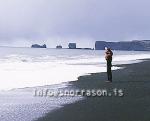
pixel 137 45
pixel 38 46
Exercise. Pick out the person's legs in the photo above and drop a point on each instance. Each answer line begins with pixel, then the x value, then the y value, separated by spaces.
pixel 109 73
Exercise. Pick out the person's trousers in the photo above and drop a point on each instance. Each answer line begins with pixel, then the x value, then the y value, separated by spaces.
pixel 109 73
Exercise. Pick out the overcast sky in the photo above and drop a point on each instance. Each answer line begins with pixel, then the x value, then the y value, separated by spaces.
pixel 24 22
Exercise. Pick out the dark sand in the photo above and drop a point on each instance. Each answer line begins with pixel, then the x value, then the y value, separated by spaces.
pixel 134 80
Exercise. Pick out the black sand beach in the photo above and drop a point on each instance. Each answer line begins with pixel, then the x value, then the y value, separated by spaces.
pixel 134 80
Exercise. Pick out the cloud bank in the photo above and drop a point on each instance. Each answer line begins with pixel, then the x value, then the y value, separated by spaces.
pixel 24 22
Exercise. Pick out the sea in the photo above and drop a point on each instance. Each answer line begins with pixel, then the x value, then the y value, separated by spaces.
pixel 24 69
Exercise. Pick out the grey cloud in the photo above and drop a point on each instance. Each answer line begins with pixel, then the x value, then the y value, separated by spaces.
pixel 83 21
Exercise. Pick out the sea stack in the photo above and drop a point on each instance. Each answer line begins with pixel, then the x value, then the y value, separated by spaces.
pixel 38 46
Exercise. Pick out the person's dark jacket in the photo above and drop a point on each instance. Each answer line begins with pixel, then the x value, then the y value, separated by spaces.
pixel 108 55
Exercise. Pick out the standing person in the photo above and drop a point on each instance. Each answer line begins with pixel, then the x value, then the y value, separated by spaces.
pixel 108 57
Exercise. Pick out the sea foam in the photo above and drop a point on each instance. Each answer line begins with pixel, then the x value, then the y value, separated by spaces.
pixel 29 69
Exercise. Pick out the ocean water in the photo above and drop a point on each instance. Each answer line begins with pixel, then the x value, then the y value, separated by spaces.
pixel 31 67
pixel 28 67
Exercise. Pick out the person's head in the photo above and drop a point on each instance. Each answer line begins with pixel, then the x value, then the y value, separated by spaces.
pixel 108 49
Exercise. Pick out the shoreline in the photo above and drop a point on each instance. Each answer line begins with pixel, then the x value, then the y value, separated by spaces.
pixel 114 67
pixel 133 79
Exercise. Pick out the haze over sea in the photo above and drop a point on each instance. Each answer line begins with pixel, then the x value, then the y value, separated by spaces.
pixel 29 67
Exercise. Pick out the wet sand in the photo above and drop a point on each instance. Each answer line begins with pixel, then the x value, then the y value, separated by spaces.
pixel 134 105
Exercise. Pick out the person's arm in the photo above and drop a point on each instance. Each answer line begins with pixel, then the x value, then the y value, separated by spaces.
pixel 106 54
pixel 111 53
